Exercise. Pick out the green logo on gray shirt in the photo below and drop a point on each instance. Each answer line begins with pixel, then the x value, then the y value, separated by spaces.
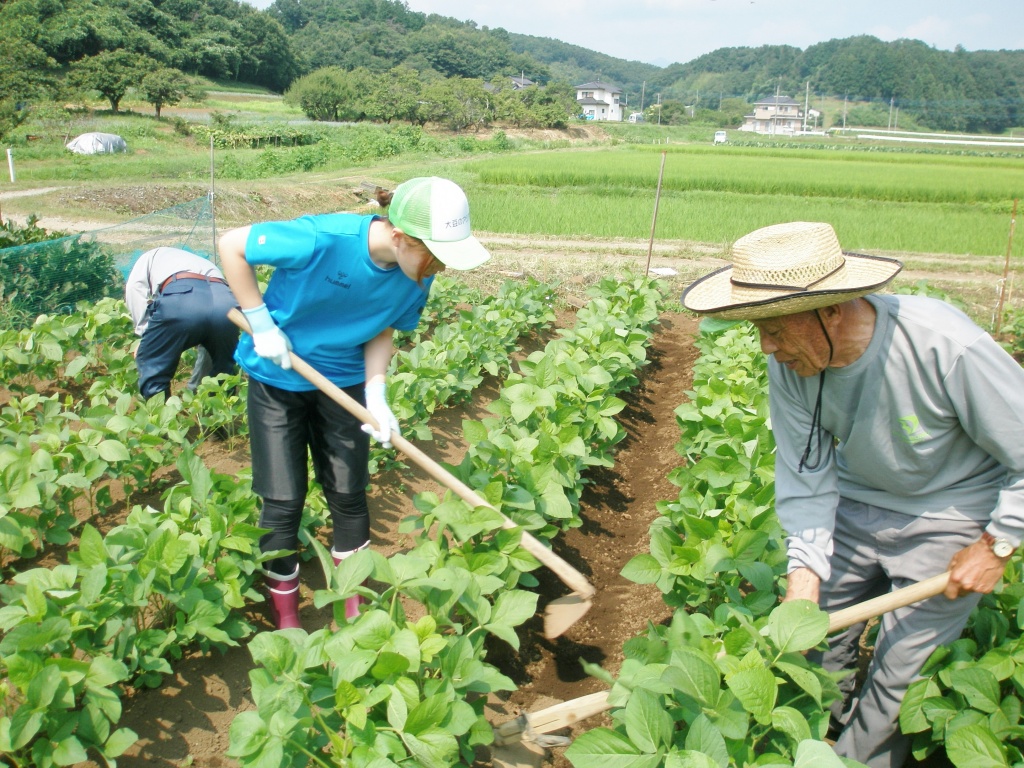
pixel 912 432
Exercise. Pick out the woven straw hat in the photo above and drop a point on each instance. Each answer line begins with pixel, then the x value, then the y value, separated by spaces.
pixel 784 269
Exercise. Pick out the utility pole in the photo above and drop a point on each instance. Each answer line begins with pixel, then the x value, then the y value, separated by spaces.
pixel 892 99
pixel 775 117
pixel 642 89
pixel 807 103
pixel 845 97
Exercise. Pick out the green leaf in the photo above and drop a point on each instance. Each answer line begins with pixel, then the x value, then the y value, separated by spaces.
pixel 803 677
pixel 435 748
pixel 388 664
pixel 975 746
pixel 715 325
pixel 978 686
pixel 44 687
pixel 119 741
pixel 398 711
pixel 648 723
pixel 604 748
pixel 105 672
pixel 704 738
pixel 91 550
pixel 113 450
pixel 693 673
pixel 756 689
pixel 525 398
pixel 688 758
pixel 25 496
pixel 248 733
pixel 76 366
pixel 24 726
pixel 797 625
pixel 912 715
pixel 792 723
pixel 515 607
pixel 427 714
pixel 503 632
pixel 69 751
pixel 642 569
pixel 729 716
pixel 816 754
pixel 474 432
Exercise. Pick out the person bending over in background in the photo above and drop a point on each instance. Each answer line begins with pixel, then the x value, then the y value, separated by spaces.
pixel 342 283
pixel 898 426
pixel 179 300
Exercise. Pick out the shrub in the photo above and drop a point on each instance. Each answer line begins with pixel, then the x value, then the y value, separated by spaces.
pixel 51 272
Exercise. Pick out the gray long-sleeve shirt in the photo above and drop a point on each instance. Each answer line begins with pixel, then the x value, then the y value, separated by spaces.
pixel 929 421
pixel 150 271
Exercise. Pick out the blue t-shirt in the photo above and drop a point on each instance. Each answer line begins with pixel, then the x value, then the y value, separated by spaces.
pixel 328 296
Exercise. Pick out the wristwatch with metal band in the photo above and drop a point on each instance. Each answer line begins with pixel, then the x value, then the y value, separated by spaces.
pixel 1000 547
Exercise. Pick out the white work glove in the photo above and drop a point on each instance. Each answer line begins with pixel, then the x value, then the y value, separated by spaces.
pixel 377 405
pixel 268 340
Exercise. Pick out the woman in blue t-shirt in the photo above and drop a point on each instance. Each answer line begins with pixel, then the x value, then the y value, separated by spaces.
pixel 342 283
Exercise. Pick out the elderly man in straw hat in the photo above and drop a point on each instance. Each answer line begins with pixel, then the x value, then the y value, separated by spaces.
pixel 899 428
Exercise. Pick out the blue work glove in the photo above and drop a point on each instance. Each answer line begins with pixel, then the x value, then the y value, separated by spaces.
pixel 268 340
pixel 377 405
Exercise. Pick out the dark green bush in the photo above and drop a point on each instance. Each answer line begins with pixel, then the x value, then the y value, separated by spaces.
pixel 49 272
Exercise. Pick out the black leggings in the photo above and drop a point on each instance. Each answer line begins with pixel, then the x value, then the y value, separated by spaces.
pixel 350 518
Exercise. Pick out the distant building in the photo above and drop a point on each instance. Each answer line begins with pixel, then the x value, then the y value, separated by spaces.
pixel 518 84
pixel 775 114
pixel 599 101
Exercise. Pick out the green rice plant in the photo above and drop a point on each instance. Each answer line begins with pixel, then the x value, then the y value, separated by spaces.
pixel 721 217
pixel 848 175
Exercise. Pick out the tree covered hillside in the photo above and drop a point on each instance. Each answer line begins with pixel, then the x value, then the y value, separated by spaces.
pixel 217 38
pixel 382 34
pixel 52 47
pixel 949 90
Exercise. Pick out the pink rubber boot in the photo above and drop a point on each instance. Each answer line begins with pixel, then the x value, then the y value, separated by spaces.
pixel 351 603
pixel 284 599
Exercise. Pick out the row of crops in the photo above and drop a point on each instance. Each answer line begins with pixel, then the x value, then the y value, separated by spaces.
pixel 724 684
pixel 125 604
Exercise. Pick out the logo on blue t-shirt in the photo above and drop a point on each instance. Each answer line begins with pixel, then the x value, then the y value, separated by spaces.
pixel 339 280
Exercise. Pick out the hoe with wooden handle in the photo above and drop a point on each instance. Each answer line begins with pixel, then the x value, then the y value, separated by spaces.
pixel 533 724
pixel 559 614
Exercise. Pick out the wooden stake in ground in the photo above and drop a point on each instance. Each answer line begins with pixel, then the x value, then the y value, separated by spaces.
pixel 654 219
pixel 1006 271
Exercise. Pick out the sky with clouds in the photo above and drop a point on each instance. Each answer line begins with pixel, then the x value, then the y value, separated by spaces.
pixel 665 31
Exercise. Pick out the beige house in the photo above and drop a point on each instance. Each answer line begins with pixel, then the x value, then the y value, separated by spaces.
pixel 775 115
pixel 599 101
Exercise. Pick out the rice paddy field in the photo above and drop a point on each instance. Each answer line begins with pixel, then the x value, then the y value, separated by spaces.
pixel 876 200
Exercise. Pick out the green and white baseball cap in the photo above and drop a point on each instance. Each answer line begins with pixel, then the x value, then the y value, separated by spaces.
pixel 436 211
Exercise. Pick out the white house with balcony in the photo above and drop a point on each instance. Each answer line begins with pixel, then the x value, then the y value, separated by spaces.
pixel 775 115
pixel 599 101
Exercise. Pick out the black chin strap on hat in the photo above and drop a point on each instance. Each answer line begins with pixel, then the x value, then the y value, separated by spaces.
pixel 814 438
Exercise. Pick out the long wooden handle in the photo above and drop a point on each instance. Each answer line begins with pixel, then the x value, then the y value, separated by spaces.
pixel 890 601
pixel 569 576
pixel 569 712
